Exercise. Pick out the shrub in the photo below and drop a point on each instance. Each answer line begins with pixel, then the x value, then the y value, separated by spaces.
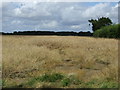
pixel 112 31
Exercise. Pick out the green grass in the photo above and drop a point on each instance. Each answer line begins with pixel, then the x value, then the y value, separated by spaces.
pixel 72 80
pixel 65 82
pixel 107 84
pixel 58 80
pixel 51 77
pixel 45 78
pixel 91 83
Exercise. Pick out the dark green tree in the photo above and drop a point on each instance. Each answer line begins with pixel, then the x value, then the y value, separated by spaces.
pixel 100 22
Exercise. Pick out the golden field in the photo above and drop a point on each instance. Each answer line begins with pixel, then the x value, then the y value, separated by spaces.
pixel 86 58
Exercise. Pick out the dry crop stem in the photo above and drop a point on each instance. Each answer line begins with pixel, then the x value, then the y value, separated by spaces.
pixel 29 56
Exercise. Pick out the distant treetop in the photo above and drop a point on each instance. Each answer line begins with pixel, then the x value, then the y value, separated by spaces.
pixel 100 22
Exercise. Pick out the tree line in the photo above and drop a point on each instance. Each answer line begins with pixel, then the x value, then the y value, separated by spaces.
pixel 102 27
pixel 62 33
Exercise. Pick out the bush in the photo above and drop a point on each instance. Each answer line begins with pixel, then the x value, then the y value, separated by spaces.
pixel 112 31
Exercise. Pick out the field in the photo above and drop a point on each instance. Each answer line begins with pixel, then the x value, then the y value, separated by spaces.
pixel 59 62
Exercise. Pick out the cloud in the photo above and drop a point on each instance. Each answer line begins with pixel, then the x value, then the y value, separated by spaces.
pixel 97 10
pixel 102 9
pixel 29 11
pixel 54 16
pixel 0 16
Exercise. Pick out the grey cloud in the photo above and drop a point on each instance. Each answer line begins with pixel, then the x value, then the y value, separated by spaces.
pixel 53 16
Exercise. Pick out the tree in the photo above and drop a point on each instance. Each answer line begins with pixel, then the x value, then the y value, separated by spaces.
pixel 111 31
pixel 100 22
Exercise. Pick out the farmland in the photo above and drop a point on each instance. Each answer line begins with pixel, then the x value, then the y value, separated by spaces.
pixel 59 62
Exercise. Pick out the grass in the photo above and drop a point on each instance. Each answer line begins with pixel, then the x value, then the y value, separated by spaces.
pixel 64 81
pixel 51 78
pixel 56 59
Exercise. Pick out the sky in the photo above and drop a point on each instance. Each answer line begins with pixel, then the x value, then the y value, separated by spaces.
pixel 55 16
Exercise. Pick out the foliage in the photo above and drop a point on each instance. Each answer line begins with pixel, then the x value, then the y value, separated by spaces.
pixel 97 24
pixel 112 31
